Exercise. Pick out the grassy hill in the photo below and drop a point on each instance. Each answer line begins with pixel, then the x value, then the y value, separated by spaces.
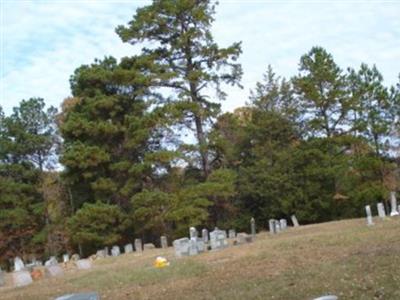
pixel 344 258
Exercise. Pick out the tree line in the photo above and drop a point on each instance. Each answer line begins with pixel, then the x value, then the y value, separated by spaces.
pixel 142 148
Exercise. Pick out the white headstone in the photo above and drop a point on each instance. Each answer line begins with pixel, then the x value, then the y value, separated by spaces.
pixel 138 245
pixel 369 215
pixel 18 264
pixel 83 264
pixel 52 261
pixel 101 253
pixel 193 232
pixel 231 233
pixel 164 242
pixel 204 235
pixel 253 227
pixel 55 270
pixel 115 251
pixel 294 221
pixel 2 281
pixel 181 247
pixel 381 210
pixel 66 258
pixel 393 204
pixel 80 296
pixel 243 238
pixel 283 224
pixel 22 278
pixel 218 239
pixel 272 227
pixel 128 248
pixel 329 297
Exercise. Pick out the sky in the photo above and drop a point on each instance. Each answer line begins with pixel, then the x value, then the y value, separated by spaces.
pixel 43 42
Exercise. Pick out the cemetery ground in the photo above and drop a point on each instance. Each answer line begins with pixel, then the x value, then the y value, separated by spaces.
pixel 345 258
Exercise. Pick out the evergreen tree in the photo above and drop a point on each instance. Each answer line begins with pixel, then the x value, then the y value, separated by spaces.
pixel 184 57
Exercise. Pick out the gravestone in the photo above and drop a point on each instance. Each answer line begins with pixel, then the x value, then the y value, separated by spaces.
pixel 328 297
pixel 21 278
pixel 193 232
pixel 66 258
pixel 115 251
pixel 294 221
pixel 138 245
pixel 2 280
pixel 106 251
pixel 181 247
pixel 231 233
pixel 193 247
pixel 18 264
pixel 272 227
pixel 75 257
pixel 204 235
pixel 81 296
pixel 393 204
pixel 101 253
pixel 369 215
pixel 381 210
pixel 278 226
pixel 128 248
pixel 253 227
pixel 83 264
pixel 149 246
pixel 243 238
pixel 54 271
pixel 218 239
pixel 283 224
pixel 164 242
pixel 52 261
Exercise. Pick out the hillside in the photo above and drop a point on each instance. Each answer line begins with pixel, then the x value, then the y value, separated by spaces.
pixel 345 258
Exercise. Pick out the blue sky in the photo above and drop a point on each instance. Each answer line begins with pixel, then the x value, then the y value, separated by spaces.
pixel 43 42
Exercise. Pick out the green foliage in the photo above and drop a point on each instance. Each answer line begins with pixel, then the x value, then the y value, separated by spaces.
pixel 96 225
pixel 184 58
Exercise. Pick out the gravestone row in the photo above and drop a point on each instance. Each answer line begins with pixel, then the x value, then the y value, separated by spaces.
pixel 395 209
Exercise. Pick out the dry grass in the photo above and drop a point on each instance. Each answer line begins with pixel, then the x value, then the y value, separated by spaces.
pixel 344 258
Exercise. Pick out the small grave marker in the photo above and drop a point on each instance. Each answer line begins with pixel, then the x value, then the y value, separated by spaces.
pixel 138 245
pixel 294 221
pixel 83 264
pixel 381 210
pixel 369 215
pixel 164 242
pixel 21 278
pixel 128 248
pixel 393 204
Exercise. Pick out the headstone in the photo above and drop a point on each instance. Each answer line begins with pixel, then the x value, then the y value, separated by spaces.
pixel 128 248
pixel 2 280
pixel 328 297
pixel 82 296
pixel 283 224
pixel 272 227
pixel 101 253
pixel 149 246
pixel 231 233
pixel 21 278
pixel 369 215
pixel 193 232
pixel 193 247
pixel 294 221
pixel 54 271
pixel 204 235
pixel 243 238
pixel 218 239
pixel 164 242
pixel 181 247
pixel 75 257
pixel 106 251
pixel 253 227
pixel 138 245
pixel 393 204
pixel 18 264
pixel 381 210
pixel 66 258
pixel 277 226
pixel 115 251
pixel 52 261
pixel 83 264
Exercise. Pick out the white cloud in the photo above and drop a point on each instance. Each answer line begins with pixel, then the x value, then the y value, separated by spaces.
pixel 45 41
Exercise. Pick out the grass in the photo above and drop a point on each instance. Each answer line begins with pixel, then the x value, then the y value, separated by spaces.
pixel 345 258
